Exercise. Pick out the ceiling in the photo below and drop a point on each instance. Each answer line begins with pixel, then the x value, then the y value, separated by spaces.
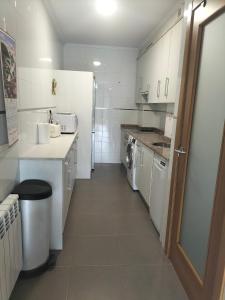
pixel 77 21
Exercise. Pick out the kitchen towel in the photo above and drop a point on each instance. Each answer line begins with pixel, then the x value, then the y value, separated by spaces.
pixel 43 133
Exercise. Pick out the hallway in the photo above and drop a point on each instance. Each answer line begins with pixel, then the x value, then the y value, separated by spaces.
pixel 111 249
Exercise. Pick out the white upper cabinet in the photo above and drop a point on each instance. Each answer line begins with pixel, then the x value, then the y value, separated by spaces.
pixel 142 84
pixel 139 80
pixel 171 79
pixel 157 69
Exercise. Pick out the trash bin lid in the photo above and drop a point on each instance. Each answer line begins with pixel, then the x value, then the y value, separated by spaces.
pixel 33 190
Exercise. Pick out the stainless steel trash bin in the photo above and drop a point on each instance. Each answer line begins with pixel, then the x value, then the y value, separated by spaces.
pixel 35 198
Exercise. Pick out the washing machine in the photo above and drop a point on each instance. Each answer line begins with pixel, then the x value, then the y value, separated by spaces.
pixel 131 162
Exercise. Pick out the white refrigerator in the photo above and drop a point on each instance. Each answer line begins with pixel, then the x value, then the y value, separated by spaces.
pixel 75 94
pixel 93 125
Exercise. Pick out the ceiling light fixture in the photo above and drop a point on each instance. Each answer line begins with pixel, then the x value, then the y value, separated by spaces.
pixel 97 63
pixel 106 7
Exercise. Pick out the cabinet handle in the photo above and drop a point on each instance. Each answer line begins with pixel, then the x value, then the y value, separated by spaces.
pixel 167 86
pixel 142 159
pixel 158 88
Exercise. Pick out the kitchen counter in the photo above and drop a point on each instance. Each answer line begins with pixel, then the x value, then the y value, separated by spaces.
pixel 57 149
pixel 148 139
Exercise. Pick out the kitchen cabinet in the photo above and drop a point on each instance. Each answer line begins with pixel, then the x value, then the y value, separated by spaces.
pixel 139 80
pixel 69 171
pixel 142 79
pixel 55 163
pixel 157 69
pixel 171 77
pixel 144 164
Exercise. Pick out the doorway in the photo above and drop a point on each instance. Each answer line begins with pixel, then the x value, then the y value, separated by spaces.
pixel 196 239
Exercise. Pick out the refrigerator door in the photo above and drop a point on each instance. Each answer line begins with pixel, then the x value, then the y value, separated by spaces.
pixel 93 125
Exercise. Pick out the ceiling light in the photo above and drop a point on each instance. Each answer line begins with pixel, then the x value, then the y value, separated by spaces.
pixel 106 7
pixel 97 63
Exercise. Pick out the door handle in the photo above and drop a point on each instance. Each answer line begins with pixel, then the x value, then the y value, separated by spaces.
pixel 167 86
pixel 180 151
pixel 158 88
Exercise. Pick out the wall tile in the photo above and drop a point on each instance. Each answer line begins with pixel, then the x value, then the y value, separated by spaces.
pixel 116 79
pixel 29 24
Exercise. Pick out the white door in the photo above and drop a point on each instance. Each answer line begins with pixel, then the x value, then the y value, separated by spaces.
pixel 158 192
pixel 147 163
pixel 139 79
pixel 160 62
pixel 171 79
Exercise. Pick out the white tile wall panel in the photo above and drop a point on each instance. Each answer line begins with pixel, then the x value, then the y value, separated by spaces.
pixel 116 80
pixel 29 24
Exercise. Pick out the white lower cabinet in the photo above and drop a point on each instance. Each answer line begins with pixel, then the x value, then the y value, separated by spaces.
pixel 144 163
pixel 61 174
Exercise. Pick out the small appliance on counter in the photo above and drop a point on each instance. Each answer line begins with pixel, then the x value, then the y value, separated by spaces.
pixel 54 129
pixel 67 121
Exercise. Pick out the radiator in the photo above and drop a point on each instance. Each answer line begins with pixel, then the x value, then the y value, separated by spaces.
pixel 10 245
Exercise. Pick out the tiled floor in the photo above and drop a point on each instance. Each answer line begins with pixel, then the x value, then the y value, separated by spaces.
pixel 111 249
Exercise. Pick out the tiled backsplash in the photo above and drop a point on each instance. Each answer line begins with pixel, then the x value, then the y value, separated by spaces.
pixel 108 133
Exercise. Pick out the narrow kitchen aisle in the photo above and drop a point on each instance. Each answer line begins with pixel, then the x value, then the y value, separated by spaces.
pixel 111 249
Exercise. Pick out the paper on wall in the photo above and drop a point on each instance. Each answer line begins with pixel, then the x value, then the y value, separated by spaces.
pixel 8 69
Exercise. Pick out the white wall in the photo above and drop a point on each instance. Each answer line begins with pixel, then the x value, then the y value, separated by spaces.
pixel 75 95
pixel 28 22
pixel 115 97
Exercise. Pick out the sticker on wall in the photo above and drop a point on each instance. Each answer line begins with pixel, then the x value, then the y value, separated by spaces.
pixel 54 86
pixel 9 84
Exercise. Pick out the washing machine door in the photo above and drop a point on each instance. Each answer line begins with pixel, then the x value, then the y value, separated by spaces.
pixel 130 154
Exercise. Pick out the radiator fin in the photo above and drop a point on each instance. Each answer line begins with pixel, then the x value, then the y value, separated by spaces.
pixel 10 245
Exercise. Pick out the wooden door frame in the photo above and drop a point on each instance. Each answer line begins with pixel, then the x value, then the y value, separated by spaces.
pixel 213 282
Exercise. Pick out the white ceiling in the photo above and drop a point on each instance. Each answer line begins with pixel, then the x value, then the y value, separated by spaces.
pixel 78 22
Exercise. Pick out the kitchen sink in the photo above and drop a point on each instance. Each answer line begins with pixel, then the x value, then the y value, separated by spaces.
pixel 162 145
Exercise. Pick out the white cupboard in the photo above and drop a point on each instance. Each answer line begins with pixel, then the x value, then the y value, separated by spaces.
pixel 75 95
pixel 144 163
pixel 69 171
pixel 157 69
pixel 171 78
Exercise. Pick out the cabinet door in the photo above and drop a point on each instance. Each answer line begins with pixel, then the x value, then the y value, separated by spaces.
pixel 146 173
pixel 171 79
pixel 139 80
pixel 155 77
pixel 146 72
pixel 161 51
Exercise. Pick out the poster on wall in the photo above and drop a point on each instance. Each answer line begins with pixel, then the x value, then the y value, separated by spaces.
pixel 9 84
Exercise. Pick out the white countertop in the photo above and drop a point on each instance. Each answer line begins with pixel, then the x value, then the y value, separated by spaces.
pixel 58 148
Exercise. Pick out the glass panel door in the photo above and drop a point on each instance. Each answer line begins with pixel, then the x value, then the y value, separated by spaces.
pixel 206 139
